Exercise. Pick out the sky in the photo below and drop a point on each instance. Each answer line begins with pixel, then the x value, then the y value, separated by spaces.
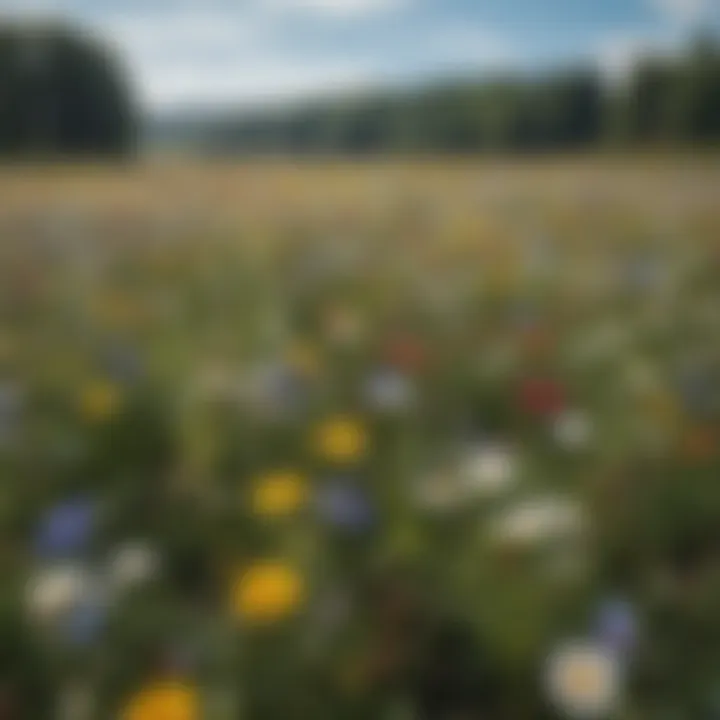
pixel 244 53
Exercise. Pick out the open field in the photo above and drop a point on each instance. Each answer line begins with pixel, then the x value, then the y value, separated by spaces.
pixel 230 396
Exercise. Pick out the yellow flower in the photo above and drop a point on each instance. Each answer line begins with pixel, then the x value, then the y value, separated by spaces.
pixel 168 701
pixel 341 440
pixel 267 592
pixel 279 493
pixel 99 401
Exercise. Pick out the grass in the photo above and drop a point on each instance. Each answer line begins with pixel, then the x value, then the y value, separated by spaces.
pixel 497 335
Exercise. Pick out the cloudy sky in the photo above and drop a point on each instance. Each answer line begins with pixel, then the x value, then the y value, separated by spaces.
pixel 244 52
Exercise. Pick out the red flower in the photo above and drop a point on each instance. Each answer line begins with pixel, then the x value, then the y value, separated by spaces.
pixel 541 397
pixel 406 353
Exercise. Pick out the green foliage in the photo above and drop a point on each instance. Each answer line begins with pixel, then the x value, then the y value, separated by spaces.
pixel 61 94
pixel 663 101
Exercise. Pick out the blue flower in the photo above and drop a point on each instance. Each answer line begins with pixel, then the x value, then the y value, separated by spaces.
pixel 66 529
pixel 617 626
pixel 344 505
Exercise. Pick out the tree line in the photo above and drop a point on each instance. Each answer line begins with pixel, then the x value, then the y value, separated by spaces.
pixel 662 101
pixel 62 93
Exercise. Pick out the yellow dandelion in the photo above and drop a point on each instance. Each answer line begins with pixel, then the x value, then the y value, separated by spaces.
pixel 267 592
pixel 167 701
pixel 279 493
pixel 341 440
pixel 99 401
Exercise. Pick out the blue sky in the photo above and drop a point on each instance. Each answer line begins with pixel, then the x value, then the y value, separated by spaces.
pixel 248 52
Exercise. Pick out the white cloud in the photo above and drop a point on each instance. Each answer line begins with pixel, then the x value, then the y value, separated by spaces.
pixel 219 57
pixel 684 12
pixel 185 33
pixel 264 81
pixel 336 8
pixel 618 55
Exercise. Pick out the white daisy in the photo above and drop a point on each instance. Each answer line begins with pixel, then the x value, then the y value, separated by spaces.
pixel 132 564
pixel 440 492
pixel 536 521
pixel 53 591
pixel 583 680
pixel 488 469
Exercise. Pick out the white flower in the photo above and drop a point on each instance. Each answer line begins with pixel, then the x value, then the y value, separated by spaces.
pixel 53 591
pixel 440 492
pixel 573 430
pixel 488 469
pixel 583 681
pixel 132 564
pixel 539 520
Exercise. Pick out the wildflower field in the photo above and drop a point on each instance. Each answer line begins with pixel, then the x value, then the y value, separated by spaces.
pixel 236 400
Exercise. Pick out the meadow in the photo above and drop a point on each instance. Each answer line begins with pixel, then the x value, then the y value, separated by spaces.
pixel 234 398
